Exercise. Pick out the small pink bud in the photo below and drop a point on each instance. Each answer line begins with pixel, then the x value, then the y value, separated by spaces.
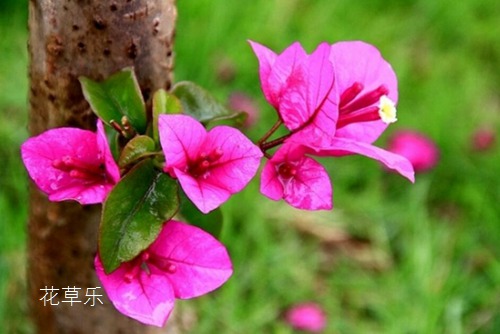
pixel 420 150
pixel 307 317
pixel 483 139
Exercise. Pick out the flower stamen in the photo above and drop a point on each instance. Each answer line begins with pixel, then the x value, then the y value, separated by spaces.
pixel 363 101
pixel 286 170
pixel 79 169
pixel 350 93
pixel 162 264
pixel 205 161
pixel 355 108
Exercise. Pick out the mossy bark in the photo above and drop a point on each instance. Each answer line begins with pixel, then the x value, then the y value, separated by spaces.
pixel 68 39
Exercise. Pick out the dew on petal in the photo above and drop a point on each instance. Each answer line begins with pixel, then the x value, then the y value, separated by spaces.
pixel 483 139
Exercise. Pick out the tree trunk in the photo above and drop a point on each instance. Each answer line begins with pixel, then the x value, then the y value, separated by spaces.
pixel 94 38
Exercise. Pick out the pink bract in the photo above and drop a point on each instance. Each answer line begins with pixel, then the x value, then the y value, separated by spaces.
pixel 395 161
pixel 308 317
pixel 362 78
pixel 71 164
pixel 300 87
pixel 183 262
pixel 210 166
pixel 364 81
pixel 420 150
pixel 299 180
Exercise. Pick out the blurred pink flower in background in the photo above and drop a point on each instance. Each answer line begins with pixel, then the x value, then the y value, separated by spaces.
pixel 239 101
pixel 483 139
pixel 308 317
pixel 419 149
pixel 225 69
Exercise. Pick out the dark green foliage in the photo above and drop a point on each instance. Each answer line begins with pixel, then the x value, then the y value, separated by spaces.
pixel 134 213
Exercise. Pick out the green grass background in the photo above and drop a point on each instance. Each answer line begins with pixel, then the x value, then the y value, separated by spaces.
pixel 427 256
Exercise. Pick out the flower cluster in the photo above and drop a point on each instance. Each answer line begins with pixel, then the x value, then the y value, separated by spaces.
pixel 184 261
pixel 336 101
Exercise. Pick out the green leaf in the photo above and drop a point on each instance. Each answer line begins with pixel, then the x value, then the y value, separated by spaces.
pixel 113 141
pixel 135 149
pixel 211 222
pixel 164 103
pixel 235 120
pixel 134 213
pixel 198 103
pixel 117 96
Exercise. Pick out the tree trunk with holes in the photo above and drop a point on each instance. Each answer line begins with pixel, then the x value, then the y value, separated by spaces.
pixel 68 39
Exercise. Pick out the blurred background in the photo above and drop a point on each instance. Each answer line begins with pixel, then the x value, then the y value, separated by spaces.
pixel 391 257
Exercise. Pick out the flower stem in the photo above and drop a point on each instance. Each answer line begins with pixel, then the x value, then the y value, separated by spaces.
pixel 273 143
pixel 269 133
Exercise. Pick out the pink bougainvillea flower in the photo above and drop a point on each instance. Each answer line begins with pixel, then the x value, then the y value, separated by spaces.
pixel 210 166
pixel 392 160
pixel 368 94
pixel 299 180
pixel 332 107
pixel 308 317
pixel 71 164
pixel 420 150
pixel 368 91
pixel 300 87
pixel 183 262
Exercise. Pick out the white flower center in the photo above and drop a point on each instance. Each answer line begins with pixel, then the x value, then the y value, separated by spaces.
pixel 387 110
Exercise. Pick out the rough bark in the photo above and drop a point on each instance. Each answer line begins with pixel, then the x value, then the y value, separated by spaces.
pixel 94 38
